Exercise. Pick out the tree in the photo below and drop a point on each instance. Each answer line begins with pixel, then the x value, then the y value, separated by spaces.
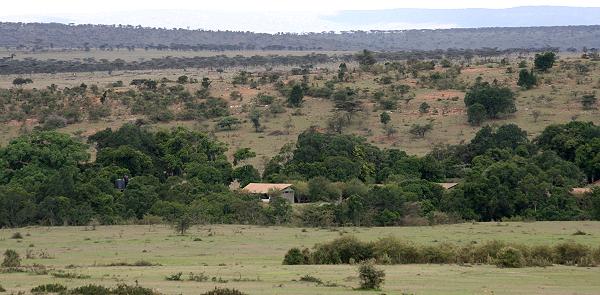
pixel 20 81
pixel 587 157
pixel 527 79
pixel 424 108
pixel 296 96
pixel 365 58
pixel 495 99
pixel 279 210
pixel 228 123
pixel 242 154
pixel 544 61
pixel 255 119
pixel 371 278
pixel 385 118
pixel 476 114
pixel 420 130
pixel 183 221
pixel 245 175
pixel 342 72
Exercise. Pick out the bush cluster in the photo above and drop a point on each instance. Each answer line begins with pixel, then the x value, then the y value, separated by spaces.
pixel 390 250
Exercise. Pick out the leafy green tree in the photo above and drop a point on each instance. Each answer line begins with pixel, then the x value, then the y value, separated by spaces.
pixel 587 157
pixel 246 174
pixel 255 119
pixel 279 210
pixel 527 79
pixel 476 114
pixel 384 118
pixel 565 139
pixel 295 99
pixel 242 154
pixel 127 157
pixel 544 61
pixel 495 99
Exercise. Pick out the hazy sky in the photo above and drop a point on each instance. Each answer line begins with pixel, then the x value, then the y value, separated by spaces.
pixel 34 7
pixel 247 15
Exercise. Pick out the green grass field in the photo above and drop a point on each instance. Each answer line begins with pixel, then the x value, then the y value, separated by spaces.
pixel 249 259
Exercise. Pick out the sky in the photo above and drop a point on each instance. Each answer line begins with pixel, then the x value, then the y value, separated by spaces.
pixel 252 15
pixel 33 7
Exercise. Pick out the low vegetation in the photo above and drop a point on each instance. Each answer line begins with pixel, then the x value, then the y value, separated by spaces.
pixel 349 250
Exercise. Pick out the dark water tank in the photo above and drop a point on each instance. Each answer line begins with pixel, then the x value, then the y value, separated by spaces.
pixel 120 184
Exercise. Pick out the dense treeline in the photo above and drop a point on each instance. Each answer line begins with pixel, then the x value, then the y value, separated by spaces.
pixel 32 65
pixel 182 176
pixel 110 37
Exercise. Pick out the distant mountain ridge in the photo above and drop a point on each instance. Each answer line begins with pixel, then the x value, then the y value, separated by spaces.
pixel 520 27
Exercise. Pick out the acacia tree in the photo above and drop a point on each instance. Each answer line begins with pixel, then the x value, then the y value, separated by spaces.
pixel 419 130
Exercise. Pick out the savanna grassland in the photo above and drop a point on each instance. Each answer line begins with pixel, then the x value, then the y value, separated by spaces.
pixel 249 258
pixel 556 99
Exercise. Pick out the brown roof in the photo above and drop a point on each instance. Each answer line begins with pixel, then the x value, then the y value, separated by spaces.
pixel 448 185
pixel 263 188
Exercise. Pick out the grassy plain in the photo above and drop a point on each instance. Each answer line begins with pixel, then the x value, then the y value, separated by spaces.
pixel 249 259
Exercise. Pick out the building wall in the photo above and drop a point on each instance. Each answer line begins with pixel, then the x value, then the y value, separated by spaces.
pixel 288 194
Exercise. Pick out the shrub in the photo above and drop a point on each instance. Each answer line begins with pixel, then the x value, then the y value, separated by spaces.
pixel 175 277
pixel 16 235
pixel 570 253
pixel 54 122
pixel 443 253
pixel 540 255
pixel 50 288
pixel 510 257
pixel 90 290
pixel 399 252
pixel 341 250
pixel 294 257
pixel 11 259
pixel 370 277
pixel 311 279
pixel 224 291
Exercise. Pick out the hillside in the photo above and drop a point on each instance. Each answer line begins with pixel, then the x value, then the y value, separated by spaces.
pixel 557 99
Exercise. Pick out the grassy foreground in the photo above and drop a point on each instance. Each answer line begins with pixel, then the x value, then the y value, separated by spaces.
pixel 249 259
